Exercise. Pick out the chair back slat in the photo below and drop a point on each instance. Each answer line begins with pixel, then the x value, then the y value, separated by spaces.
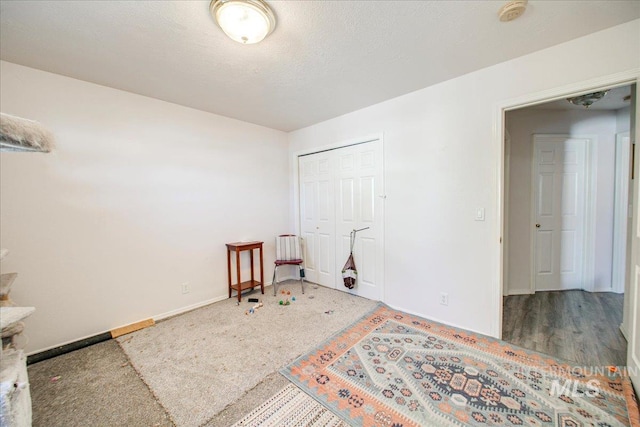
pixel 288 248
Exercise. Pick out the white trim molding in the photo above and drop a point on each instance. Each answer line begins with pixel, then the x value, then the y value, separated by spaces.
pixel 621 212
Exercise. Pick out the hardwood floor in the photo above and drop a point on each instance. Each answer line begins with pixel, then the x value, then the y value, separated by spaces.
pixel 577 326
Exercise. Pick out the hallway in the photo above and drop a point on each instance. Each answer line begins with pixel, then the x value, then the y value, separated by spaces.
pixel 578 326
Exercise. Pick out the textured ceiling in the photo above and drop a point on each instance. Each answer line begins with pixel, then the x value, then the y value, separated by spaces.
pixel 324 59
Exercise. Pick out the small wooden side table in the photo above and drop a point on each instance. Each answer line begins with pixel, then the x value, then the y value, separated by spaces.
pixel 240 286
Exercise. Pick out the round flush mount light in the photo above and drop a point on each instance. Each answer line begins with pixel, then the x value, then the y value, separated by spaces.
pixel 587 99
pixel 245 21
pixel 512 10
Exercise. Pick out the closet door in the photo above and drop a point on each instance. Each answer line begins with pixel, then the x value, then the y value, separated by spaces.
pixel 359 204
pixel 341 190
pixel 317 216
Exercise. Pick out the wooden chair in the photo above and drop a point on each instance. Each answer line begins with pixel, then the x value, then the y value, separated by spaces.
pixel 288 252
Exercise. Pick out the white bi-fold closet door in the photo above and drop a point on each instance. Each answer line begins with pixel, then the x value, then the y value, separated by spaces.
pixel 341 190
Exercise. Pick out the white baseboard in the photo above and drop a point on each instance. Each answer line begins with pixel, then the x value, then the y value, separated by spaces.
pixel 624 332
pixel 182 310
pixel 519 292
pixel 438 320
pixel 156 318
pixel 608 288
pixel 528 292
pixel 605 288
pixel 201 304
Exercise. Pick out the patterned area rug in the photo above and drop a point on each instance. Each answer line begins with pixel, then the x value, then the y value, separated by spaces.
pixel 291 407
pixel 395 369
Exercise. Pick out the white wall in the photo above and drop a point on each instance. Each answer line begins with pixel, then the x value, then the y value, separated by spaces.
pixel 139 196
pixel 522 125
pixel 442 161
pixel 623 120
pixel 626 121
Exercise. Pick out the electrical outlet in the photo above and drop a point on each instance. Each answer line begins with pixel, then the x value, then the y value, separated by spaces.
pixel 185 288
pixel 444 298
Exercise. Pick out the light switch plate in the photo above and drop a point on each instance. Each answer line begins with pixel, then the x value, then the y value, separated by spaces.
pixel 479 214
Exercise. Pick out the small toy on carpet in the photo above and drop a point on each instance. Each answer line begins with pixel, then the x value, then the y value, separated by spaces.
pixel 253 309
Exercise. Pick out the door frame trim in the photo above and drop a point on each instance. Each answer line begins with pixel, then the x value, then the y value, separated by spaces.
pixel 295 188
pixel 631 304
pixel 621 212
pixel 589 224
pixel 612 80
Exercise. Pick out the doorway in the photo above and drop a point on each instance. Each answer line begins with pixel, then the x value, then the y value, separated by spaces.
pixel 579 250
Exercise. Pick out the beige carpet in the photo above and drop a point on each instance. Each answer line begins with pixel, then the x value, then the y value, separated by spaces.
pixel 192 363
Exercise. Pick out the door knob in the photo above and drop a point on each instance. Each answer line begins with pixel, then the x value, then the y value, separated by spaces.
pixel 537 225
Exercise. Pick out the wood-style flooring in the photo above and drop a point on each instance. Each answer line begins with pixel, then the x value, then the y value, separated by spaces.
pixel 577 326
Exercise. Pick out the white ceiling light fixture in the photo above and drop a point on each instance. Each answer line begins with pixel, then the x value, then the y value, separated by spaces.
pixel 245 21
pixel 588 98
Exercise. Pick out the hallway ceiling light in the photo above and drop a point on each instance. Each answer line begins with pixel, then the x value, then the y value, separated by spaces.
pixel 587 99
pixel 245 21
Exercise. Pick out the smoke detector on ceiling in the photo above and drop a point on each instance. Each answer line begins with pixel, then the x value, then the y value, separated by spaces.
pixel 512 10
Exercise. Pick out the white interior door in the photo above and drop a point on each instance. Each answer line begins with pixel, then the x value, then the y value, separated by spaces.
pixel 559 212
pixel 359 205
pixel 341 190
pixel 317 216
pixel 633 346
